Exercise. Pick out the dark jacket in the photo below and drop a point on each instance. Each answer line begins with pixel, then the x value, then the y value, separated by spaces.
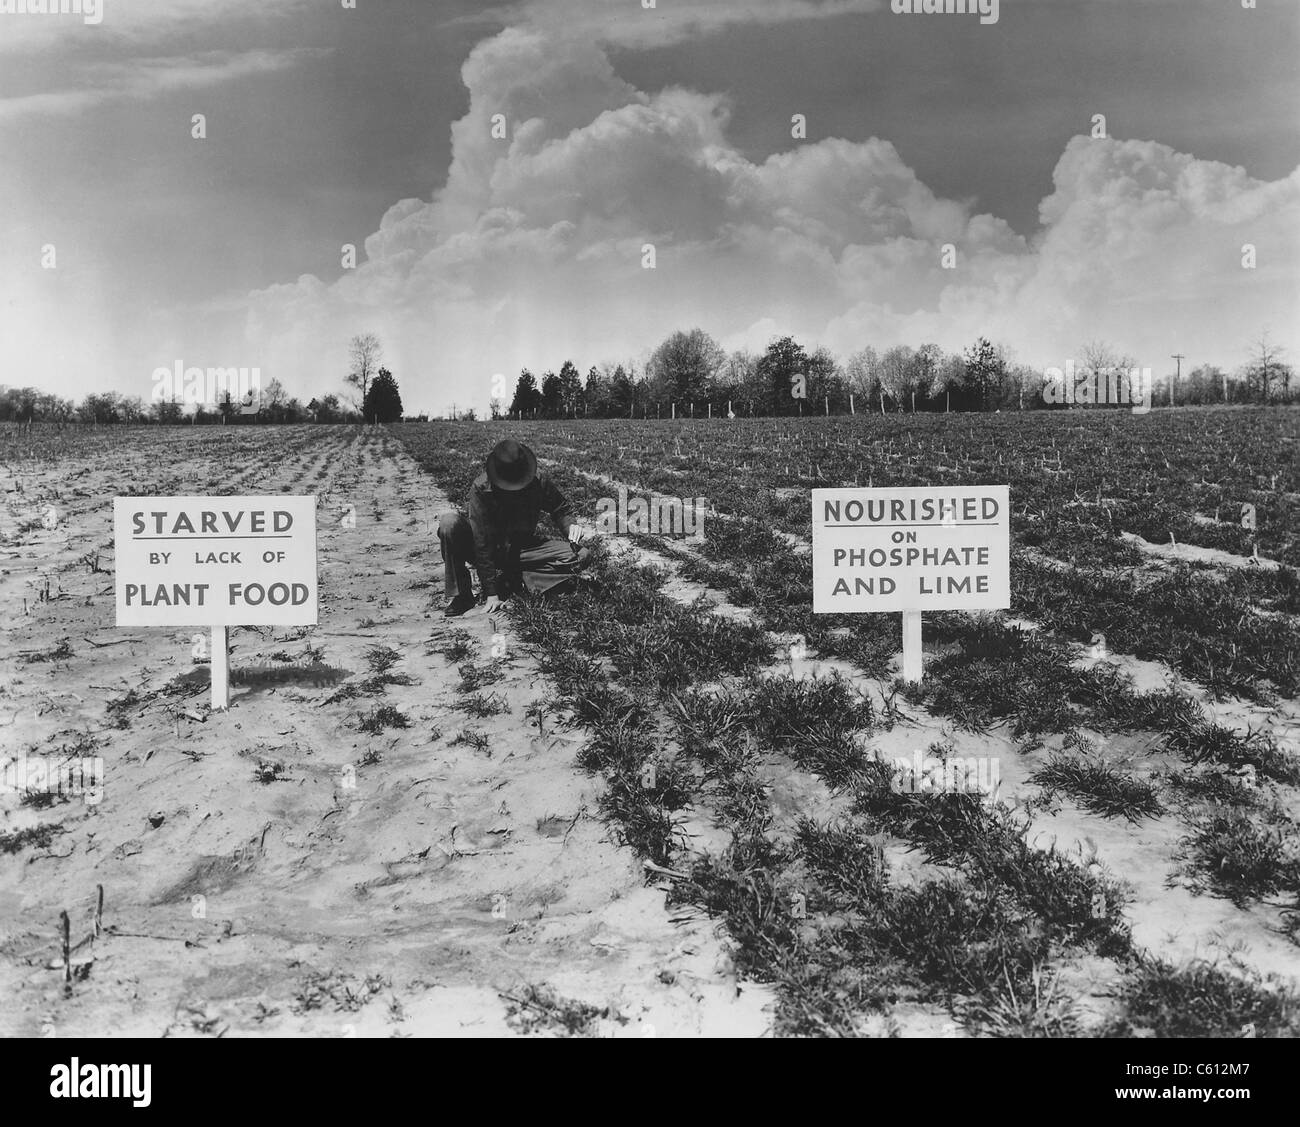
pixel 503 523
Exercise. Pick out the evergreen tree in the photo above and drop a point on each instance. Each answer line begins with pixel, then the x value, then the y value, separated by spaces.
pixel 985 369
pixel 527 398
pixel 622 392
pixel 570 388
pixel 383 402
pixel 595 395
pixel 552 395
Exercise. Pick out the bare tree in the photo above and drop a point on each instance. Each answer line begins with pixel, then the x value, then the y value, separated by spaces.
pixel 925 368
pixel 1106 362
pixel 274 398
pixel 364 352
pixel 862 371
pixel 1102 357
pixel 740 372
pixel 1264 364
pixel 897 376
pixel 950 372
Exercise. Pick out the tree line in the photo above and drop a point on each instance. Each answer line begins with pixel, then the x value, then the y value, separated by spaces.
pixel 28 404
pixel 689 374
pixel 378 399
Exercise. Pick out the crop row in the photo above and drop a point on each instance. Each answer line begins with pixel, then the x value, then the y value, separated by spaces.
pixel 814 908
pixel 1077 478
pixel 1231 631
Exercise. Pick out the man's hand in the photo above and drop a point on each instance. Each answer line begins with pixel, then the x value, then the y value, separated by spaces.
pixel 494 604
pixel 577 534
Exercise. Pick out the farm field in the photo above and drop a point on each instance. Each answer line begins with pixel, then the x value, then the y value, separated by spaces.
pixel 1138 874
pixel 355 848
pixel 665 804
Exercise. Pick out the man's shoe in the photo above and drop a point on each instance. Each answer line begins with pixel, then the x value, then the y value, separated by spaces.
pixel 458 606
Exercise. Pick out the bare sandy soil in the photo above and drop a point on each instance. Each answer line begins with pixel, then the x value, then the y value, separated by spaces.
pixel 274 869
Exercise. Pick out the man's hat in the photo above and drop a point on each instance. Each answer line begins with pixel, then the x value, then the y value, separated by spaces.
pixel 511 466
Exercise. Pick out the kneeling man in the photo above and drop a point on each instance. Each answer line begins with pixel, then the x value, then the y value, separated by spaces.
pixel 500 533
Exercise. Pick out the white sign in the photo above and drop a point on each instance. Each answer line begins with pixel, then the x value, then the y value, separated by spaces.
pixel 215 561
pixel 944 548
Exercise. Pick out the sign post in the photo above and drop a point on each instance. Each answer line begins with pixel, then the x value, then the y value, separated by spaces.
pixel 913 667
pixel 215 562
pixel 220 665
pixel 911 550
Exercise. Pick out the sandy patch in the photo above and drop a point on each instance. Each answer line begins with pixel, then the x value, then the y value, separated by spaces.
pixel 277 870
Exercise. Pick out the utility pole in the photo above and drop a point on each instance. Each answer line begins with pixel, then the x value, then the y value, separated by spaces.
pixel 1177 376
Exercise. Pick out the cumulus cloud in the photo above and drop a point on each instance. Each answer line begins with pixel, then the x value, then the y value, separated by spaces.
pixel 532 252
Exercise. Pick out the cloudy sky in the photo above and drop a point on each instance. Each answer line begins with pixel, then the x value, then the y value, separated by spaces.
pixel 671 126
